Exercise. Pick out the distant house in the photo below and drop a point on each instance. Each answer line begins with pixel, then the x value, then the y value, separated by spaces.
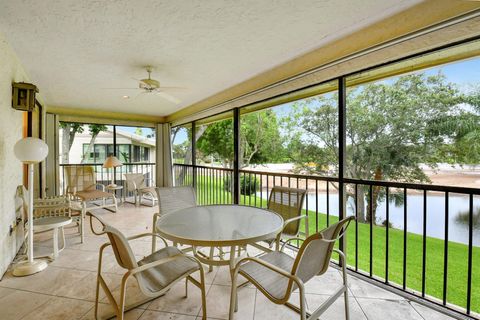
pixel 131 148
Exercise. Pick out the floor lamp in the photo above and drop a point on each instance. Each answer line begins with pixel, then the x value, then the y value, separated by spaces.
pixel 30 151
pixel 110 163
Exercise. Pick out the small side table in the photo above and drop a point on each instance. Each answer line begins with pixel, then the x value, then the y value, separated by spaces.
pixel 113 189
pixel 55 223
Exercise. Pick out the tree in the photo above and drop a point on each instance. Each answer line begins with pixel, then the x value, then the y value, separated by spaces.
pixel 94 130
pixel 260 139
pixel 464 129
pixel 389 132
pixel 151 134
pixel 69 130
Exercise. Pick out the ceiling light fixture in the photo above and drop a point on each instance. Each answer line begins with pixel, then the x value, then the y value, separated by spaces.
pixel 126 97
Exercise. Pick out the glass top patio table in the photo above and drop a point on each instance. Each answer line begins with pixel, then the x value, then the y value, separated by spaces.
pixel 219 225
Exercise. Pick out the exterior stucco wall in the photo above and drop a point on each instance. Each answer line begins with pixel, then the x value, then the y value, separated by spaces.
pixel 10 168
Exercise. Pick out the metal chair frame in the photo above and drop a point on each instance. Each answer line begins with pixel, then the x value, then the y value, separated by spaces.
pixel 301 194
pixel 193 200
pixel 294 280
pixel 120 307
pixel 132 185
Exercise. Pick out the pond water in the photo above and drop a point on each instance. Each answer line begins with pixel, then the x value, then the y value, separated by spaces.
pixel 458 231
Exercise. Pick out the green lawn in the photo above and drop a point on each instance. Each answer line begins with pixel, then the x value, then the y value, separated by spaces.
pixel 210 191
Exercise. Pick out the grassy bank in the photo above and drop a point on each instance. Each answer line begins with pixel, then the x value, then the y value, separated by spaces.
pixel 210 192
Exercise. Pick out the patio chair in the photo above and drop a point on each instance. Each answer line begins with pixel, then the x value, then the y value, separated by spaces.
pixel 54 213
pixel 136 183
pixel 277 274
pixel 82 189
pixel 288 203
pixel 155 273
pixel 176 198
pixel 171 199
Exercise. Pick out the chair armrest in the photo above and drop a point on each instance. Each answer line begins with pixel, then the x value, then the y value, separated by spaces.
pixel 265 264
pixel 288 240
pixel 149 179
pixel 130 183
pixel 153 264
pixel 344 231
pixel 294 219
pixel 147 234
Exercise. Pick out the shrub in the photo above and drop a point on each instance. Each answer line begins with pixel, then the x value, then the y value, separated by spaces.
pixel 248 184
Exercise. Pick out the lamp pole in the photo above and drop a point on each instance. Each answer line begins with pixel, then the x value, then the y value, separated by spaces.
pixel 30 151
pixel 30 213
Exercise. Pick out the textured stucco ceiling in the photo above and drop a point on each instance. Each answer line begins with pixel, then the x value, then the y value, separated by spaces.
pixel 73 49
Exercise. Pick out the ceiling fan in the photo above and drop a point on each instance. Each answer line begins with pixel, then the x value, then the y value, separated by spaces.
pixel 152 86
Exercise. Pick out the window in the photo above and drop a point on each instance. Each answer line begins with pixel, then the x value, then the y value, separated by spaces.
pixel 214 141
pixel 295 133
pixel 182 144
pixel 124 153
pixel 135 144
pixel 84 143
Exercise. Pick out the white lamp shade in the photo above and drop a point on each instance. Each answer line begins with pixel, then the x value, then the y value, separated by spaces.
pixel 30 150
pixel 111 162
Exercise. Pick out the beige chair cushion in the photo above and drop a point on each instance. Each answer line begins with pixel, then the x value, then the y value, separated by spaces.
pixel 148 190
pixel 93 195
pixel 272 282
pixel 163 275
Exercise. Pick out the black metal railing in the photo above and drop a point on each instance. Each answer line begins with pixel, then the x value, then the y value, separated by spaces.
pixel 104 175
pixel 414 239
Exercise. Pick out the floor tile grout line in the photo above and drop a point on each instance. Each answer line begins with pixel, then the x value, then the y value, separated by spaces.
pixel 40 305
pixel 411 305
pixel 141 314
pixel 83 315
pixel 53 295
pixel 255 304
pixel 360 306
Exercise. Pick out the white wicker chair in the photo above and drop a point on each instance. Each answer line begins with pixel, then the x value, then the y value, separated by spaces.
pixel 277 275
pixel 82 189
pixel 58 209
pixel 155 273
pixel 136 183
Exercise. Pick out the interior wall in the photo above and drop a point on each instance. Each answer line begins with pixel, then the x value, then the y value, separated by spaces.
pixel 11 172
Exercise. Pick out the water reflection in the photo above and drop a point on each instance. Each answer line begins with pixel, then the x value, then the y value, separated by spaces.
pixel 463 218
pixel 458 207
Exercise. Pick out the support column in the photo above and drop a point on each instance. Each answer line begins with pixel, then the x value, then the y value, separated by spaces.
pixel 194 155
pixel 342 142
pixel 236 158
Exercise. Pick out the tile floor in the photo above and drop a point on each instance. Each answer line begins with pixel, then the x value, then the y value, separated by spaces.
pixel 66 289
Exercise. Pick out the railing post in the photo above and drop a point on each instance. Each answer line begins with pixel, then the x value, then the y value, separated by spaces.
pixel 236 159
pixel 194 157
pixel 114 152
pixel 342 142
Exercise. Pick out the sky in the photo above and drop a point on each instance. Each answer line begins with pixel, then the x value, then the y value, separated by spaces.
pixel 464 73
pixel 145 131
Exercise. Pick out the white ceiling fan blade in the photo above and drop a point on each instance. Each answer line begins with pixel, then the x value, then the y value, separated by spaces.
pixel 172 88
pixel 140 94
pixel 120 88
pixel 168 97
